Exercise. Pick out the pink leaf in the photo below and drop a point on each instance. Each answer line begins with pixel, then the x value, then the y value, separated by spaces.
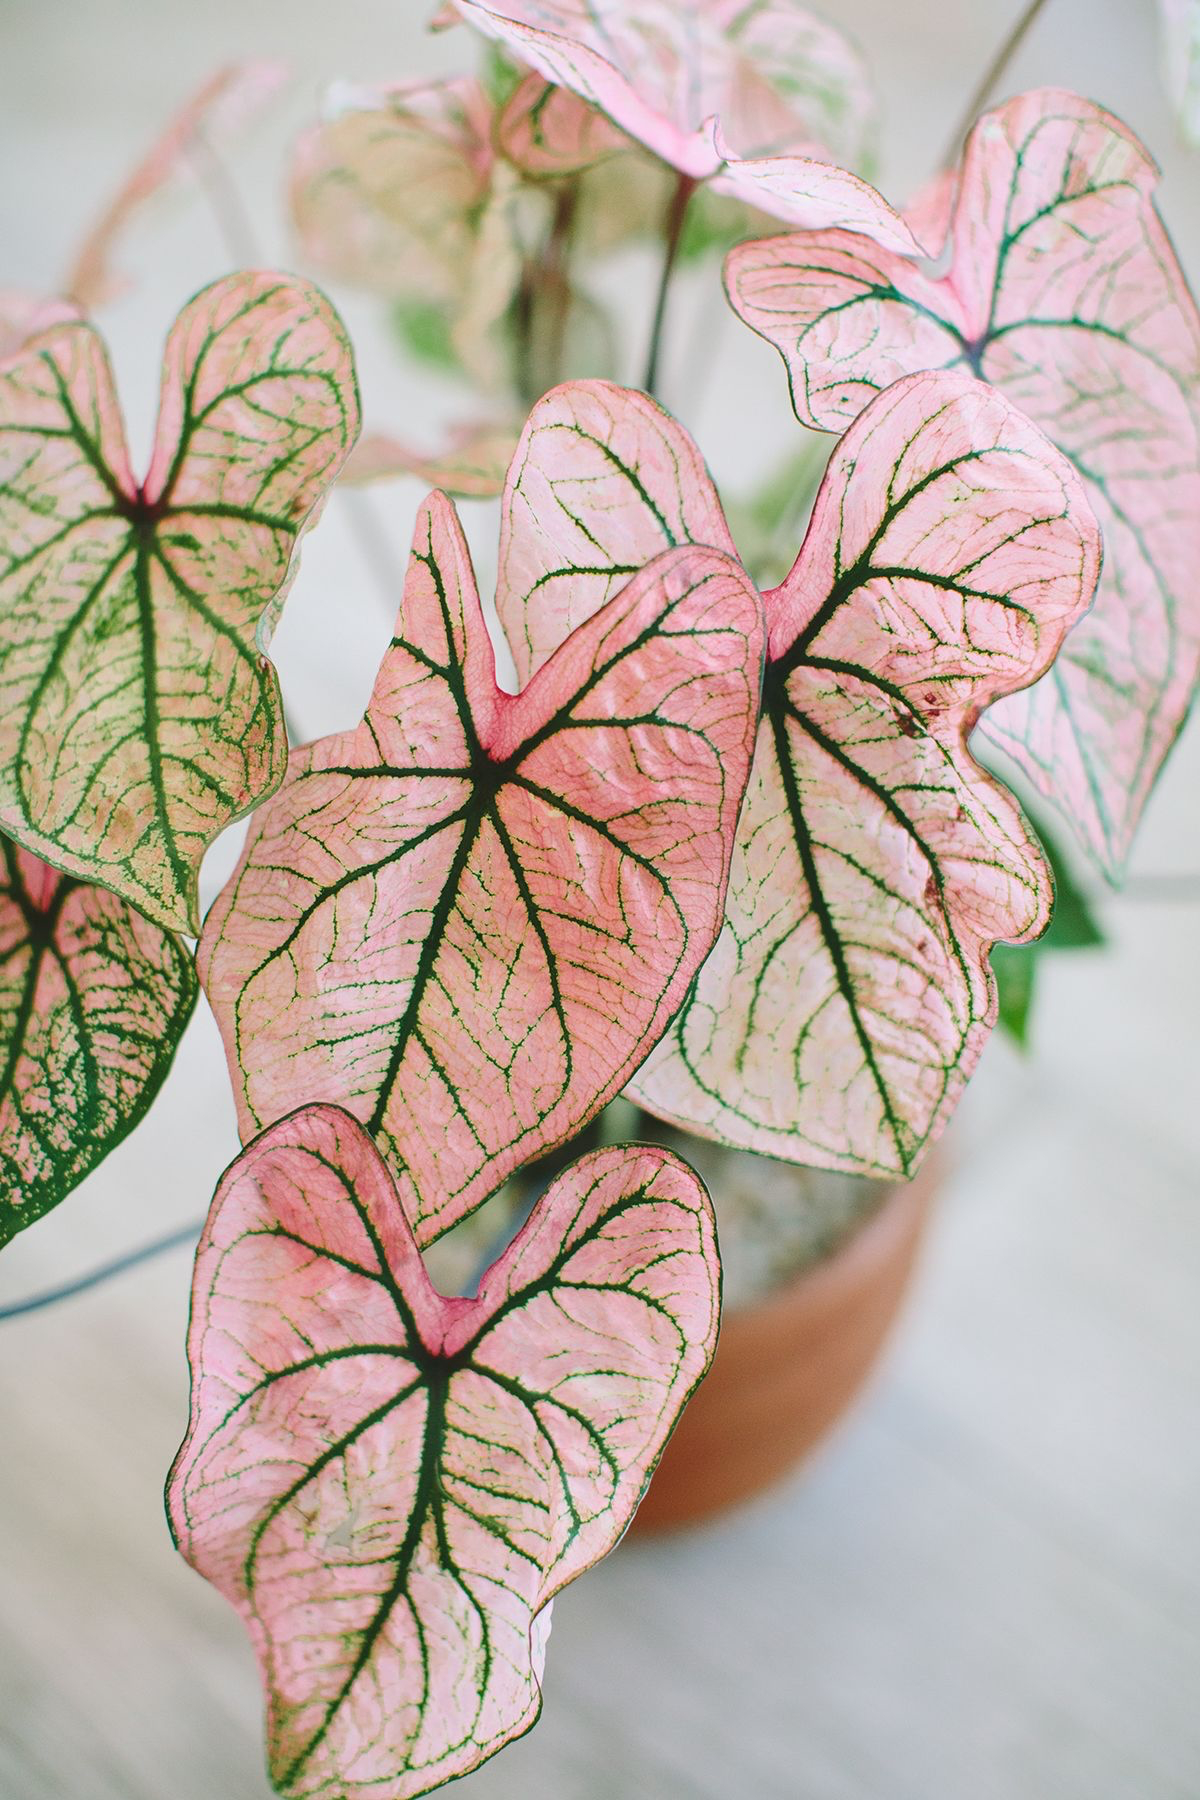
pixel 1065 293
pixel 93 1001
pixel 390 1486
pixel 400 192
pixel 603 480
pixel 385 191
pixel 758 98
pixel 218 108
pixel 545 130
pixel 779 77
pixel 138 713
pixel 805 191
pixel 468 920
pixel 849 995
pixel 472 462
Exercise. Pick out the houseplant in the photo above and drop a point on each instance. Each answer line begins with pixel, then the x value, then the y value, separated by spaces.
pixel 164 526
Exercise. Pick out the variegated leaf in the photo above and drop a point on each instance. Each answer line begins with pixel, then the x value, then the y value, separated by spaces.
pixel 763 100
pixel 390 1486
pixel 386 191
pixel 545 130
pixel 1065 293
pixel 138 712
pixel 808 192
pixel 779 78
pixel 93 1001
pixel 602 481
pixel 221 105
pixel 848 996
pixel 468 921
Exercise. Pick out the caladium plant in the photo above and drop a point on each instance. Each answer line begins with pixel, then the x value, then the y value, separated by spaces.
pixel 1063 290
pixel 93 1001
pixel 493 903
pixel 729 852
pixel 951 547
pixel 756 100
pixel 390 1485
pixel 140 715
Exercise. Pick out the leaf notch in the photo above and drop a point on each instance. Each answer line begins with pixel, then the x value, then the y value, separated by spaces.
pixel 390 1486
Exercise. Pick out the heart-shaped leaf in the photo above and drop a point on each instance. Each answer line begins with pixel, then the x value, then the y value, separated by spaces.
pixel 849 995
pixel 93 1001
pixel 220 106
pixel 468 921
pixel 1065 293
pixel 757 99
pixel 387 189
pixel 389 1485
pixel 138 712
pixel 848 999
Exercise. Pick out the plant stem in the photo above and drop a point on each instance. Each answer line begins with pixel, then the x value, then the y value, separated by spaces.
pixel 685 187
pixel 557 284
pixel 988 81
pixel 543 303
pixel 186 1234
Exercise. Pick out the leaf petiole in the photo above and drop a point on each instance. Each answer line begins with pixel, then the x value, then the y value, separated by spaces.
pixel 988 80
pixel 174 1240
pixel 677 211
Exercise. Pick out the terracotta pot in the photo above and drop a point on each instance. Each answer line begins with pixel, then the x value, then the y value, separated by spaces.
pixel 787 1368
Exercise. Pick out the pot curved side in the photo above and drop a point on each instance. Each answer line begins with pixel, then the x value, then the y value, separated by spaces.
pixel 787 1369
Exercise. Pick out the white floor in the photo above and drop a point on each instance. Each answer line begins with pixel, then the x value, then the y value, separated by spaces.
pixel 988 1588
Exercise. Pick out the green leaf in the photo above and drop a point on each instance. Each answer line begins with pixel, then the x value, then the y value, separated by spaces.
pixel 1073 926
pixel 1015 969
pixel 424 331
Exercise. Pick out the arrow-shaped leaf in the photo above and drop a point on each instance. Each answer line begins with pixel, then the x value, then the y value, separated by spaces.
pixel 848 996
pixel 469 920
pixel 780 78
pixel 138 713
pixel 1064 292
pixel 389 1485
pixel 93 1001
